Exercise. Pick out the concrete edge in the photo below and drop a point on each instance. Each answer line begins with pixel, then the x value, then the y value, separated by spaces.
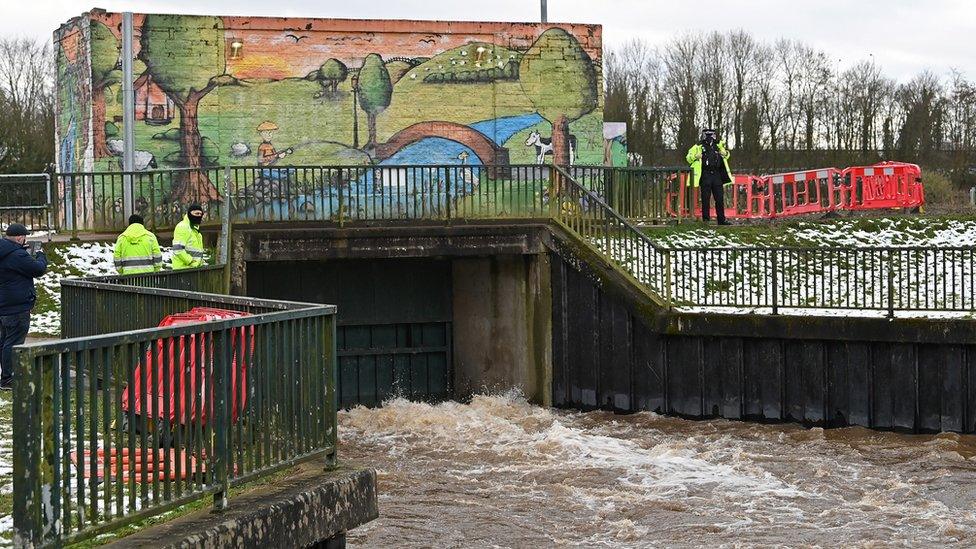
pixel 307 508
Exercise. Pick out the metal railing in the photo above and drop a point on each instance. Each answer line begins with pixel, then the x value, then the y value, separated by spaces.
pixel 118 427
pixel 93 201
pixel 640 195
pixel 886 279
pixel 772 279
pixel 620 242
pixel 27 199
pixel 84 301
pixel 610 203
pixel 370 193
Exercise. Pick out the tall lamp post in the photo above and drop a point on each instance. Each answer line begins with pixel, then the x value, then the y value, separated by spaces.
pixel 545 15
pixel 355 110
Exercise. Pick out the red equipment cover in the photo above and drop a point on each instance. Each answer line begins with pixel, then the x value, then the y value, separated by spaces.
pixel 186 402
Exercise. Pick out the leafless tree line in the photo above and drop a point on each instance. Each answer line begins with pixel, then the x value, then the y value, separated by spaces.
pixel 26 105
pixel 785 104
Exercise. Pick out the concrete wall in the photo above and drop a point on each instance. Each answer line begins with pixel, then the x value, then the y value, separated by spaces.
pixel 914 375
pixel 494 297
pixel 502 327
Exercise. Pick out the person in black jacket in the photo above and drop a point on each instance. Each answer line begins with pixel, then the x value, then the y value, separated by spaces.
pixel 18 269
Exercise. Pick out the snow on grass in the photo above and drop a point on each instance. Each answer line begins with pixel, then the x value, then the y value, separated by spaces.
pixel 826 272
pixel 841 233
pixel 69 260
pixel 66 261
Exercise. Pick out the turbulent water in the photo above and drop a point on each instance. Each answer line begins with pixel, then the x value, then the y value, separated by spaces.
pixel 499 472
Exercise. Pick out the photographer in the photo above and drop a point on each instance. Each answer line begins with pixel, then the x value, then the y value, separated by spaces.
pixel 20 264
pixel 709 161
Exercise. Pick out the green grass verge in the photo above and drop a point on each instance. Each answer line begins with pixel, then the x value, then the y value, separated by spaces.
pixel 6 431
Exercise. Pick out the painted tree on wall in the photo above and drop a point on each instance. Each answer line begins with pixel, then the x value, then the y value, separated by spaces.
pixel 185 57
pixel 558 76
pixel 331 74
pixel 105 71
pixel 375 92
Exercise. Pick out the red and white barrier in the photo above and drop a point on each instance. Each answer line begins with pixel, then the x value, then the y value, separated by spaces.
pixel 886 185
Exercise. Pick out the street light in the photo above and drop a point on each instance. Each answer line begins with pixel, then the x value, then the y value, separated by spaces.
pixel 354 80
pixel 545 16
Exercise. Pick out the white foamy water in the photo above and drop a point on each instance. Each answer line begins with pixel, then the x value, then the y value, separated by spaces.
pixel 500 472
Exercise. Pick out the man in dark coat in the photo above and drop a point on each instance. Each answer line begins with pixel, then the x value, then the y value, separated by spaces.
pixel 18 269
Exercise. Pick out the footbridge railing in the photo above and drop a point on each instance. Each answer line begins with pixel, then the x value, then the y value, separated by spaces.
pixel 774 280
pixel 133 419
pixel 93 201
pixel 610 206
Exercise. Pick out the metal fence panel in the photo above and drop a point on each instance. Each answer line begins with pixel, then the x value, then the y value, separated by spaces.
pixel 27 199
pixel 126 425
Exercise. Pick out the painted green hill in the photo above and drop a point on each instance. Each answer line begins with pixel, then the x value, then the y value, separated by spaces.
pixel 464 86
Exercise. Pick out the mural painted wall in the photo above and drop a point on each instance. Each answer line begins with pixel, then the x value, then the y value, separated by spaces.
pixel 73 106
pixel 276 91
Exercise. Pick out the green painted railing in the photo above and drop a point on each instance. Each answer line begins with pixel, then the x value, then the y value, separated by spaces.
pixel 93 201
pixel 117 427
pixel 27 199
pixel 85 301
pixel 772 279
pixel 609 234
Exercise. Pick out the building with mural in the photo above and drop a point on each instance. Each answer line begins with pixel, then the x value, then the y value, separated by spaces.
pixel 216 91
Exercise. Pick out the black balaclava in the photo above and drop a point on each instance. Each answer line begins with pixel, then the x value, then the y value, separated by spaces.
pixel 194 219
pixel 709 135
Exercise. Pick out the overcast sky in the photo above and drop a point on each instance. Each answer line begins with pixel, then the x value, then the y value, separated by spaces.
pixel 904 36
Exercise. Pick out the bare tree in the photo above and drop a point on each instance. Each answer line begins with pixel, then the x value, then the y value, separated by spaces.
pixel 742 50
pixel 787 97
pixel 788 59
pixel 712 80
pixel 26 105
pixel 681 57
pixel 772 106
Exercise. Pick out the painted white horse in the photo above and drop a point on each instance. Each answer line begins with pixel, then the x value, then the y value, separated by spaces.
pixel 543 147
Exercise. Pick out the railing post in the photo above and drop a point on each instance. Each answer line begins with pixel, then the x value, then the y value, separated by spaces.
pixel 226 228
pixel 553 176
pixel 221 421
pixel 27 508
pixel 152 202
pixel 340 176
pixel 447 191
pixel 49 205
pixel 74 208
pixel 668 292
pixel 775 282
pixel 891 283
pixel 329 335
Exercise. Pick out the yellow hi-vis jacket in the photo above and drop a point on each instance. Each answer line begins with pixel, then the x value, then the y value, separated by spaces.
pixel 187 246
pixel 694 159
pixel 137 251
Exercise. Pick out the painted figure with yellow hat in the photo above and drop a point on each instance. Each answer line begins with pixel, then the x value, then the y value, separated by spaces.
pixel 267 155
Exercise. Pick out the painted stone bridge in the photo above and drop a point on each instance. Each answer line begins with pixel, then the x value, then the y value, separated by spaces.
pixel 487 150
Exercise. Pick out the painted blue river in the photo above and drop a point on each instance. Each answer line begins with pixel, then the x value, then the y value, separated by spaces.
pixel 390 189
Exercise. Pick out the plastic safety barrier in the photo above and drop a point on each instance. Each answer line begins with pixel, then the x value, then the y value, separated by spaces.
pixel 885 185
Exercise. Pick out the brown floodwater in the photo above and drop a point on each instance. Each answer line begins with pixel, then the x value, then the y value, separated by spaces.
pixel 499 472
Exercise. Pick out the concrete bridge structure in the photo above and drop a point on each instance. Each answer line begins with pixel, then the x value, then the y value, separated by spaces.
pixel 440 309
